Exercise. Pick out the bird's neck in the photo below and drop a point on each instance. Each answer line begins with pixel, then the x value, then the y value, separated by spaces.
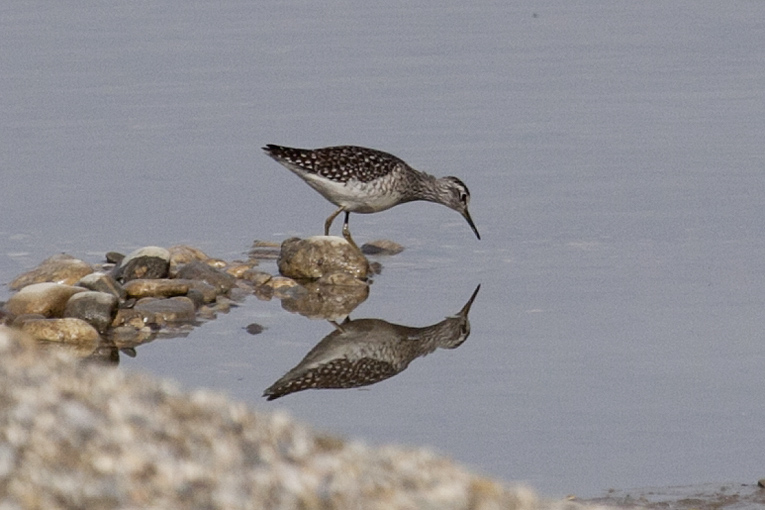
pixel 422 186
pixel 442 334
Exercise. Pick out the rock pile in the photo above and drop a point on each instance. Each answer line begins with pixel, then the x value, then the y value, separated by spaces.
pixel 96 309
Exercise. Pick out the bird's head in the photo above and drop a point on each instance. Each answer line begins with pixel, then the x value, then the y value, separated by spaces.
pixel 456 195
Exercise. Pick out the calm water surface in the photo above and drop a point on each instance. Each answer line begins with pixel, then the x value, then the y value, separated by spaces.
pixel 613 150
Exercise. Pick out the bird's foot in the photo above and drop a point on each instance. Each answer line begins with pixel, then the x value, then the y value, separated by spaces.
pixel 347 236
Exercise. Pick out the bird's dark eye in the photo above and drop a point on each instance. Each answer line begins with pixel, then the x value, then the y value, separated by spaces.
pixel 463 198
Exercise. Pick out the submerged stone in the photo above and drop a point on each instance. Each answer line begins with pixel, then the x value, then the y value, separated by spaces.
pixel 381 247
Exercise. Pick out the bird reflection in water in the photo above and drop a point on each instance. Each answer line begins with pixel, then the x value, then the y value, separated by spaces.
pixel 366 351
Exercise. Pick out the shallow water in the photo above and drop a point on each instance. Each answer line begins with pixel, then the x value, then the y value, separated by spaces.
pixel 613 151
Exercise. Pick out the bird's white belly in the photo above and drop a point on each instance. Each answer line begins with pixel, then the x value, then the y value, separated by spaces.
pixel 354 196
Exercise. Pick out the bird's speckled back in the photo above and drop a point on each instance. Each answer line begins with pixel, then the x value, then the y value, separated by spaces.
pixel 341 163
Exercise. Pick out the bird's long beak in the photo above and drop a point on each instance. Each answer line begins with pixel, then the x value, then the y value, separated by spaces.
pixel 466 309
pixel 466 215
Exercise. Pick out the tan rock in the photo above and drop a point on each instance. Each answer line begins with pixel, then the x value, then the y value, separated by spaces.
pixel 317 256
pixel 281 282
pixel 237 270
pixel 183 254
pixel 68 331
pixel 256 277
pixel 160 311
pixel 61 268
pixel 131 318
pixel 216 263
pixel 161 287
pixel 48 299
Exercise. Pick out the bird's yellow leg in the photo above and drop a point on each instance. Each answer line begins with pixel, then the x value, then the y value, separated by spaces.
pixel 332 217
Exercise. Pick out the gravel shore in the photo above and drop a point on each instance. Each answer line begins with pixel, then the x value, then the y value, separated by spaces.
pixel 79 435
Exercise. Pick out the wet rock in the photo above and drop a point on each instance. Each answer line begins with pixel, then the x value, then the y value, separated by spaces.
pixel 61 268
pixel 208 292
pixel 331 302
pixel 48 299
pixel 206 313
pixel 317 256
pixel 102 282
pixel 146 262
pixel 114 257
pixel 216 263
pixel 161 287
pixel 254 329
pixel 128 351
pixel 238 269
pixel 264 250
pixel 222 305
pixel 197 298
pixel 341 279
pixel 240 292
pixel 264 292
pixel 761 483
pixel 69 331
pixel 181 254
pixel 200 271
pixel 281 283
pixel 287 292
pixel 96 308
pixel 19 320
pixel 256 277
pixel 381 247
pixel 131 318
pixel 161 311
pixel 105 354
pixel 128 336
